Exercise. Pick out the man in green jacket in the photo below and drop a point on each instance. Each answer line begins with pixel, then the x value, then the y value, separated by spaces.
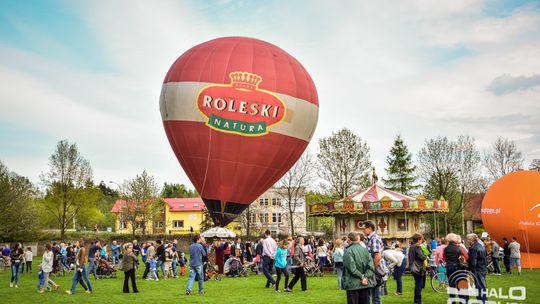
pixel 358 271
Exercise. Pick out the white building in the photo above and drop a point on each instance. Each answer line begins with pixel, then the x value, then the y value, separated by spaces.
pixel 272 211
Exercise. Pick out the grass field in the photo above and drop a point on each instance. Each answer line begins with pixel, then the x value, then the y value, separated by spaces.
pixel 232 290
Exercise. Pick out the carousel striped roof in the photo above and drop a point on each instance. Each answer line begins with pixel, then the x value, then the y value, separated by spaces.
pixel 375 193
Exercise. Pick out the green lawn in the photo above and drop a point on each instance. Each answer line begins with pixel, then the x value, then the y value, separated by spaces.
pixel 231 290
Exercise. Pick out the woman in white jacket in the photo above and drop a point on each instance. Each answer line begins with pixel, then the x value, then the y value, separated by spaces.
pixel 47 267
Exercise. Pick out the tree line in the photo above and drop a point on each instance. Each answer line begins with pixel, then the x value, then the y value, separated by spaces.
pixel 66 197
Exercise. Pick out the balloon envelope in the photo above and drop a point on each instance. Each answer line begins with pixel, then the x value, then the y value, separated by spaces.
pixel 238 113
pixel 511 208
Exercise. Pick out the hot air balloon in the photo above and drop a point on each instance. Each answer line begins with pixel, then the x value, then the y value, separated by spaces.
pixel 238 113
pixel 511 208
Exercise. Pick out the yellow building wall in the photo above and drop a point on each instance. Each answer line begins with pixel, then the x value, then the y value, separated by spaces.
pixel 190 218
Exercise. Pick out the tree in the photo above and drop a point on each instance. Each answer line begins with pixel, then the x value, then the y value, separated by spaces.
pixel 206 222
pixel 69 185
pixel 468 163
pixel 177 191
pixel 325 224
pixel 343 162
pixel 141 202
pixel 18 216
pixel 400 171
pixel 437 169
pixel 503 158
pixel 292 186
pixel 535 165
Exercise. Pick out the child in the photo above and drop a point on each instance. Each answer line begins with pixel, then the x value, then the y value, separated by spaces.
pixel 28 255
pixel 41 280
pixel 182 262
pixel 153 270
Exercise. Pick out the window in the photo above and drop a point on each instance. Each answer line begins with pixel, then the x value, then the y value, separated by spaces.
pixel 140 225
pixel 264 218
pixel 178 224
pixel 123 225
pixel 158 225
pixel 263 202
pixel 276 217
pixel 252 218
pixel 276 201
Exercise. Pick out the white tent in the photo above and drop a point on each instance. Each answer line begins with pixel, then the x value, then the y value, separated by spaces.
pixel 218 232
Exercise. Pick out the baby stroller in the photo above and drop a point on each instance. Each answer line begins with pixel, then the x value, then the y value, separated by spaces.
pixel 312 267
pixel 105 270
pixel 236 269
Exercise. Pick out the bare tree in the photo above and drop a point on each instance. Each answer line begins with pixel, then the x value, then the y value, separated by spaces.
pixel 437 169
pixel 535 165
pixel 292 186
pixel 141 203
pixel 503 158
pixel 69 185
pixel 343 162
pixel 468 164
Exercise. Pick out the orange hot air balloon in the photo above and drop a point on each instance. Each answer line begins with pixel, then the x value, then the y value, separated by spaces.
pixel 238 113
pixel 511 208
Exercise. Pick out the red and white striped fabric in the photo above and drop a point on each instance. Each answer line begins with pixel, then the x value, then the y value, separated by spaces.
pixel 375 193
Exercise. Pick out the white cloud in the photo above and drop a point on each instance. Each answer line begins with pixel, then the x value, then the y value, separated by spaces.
pixel 379 67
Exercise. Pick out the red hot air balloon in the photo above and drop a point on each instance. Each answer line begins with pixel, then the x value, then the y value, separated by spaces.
pixel 238 113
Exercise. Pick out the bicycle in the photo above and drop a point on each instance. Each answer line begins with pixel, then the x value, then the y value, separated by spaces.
pixel 439 279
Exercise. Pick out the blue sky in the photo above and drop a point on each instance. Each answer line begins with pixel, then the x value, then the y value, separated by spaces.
pixel 91 72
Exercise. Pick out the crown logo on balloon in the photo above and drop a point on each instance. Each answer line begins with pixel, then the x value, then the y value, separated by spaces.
pixel 245 80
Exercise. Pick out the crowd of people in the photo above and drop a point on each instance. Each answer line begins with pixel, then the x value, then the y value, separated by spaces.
pixel 363 261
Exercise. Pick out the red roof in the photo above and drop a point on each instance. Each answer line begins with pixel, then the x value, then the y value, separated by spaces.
pixel 175 204
pixel 185 204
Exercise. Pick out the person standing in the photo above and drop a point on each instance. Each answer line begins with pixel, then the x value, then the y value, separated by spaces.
pixel 397 261
pixel 281 263
pixel 92 258
pixel 358 271
pixel 160 257
pixel 338 262
pixel 495 256
pixel 322 255
pixel 297 264
pixel 150 255
pixel 375 247
pixel 506 258
pixel 129 261
pixel 515 255
pixel 238 250
pixel 16 255
pixel 80 276
pixel 196 254
pixel 28 256
pixel 269 251
pixel 115 252
pixel 451 256
pixel 175 256
pixel 478 265
pixel 417 258
pixel 47 267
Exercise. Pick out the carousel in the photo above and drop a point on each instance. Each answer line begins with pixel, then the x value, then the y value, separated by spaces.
pixel 397 216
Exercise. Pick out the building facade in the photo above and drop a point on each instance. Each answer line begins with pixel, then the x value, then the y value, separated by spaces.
pixel 178 216
pixel 272 211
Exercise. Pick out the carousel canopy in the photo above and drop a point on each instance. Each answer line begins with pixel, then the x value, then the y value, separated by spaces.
pixel 376 193
pixel 376 199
